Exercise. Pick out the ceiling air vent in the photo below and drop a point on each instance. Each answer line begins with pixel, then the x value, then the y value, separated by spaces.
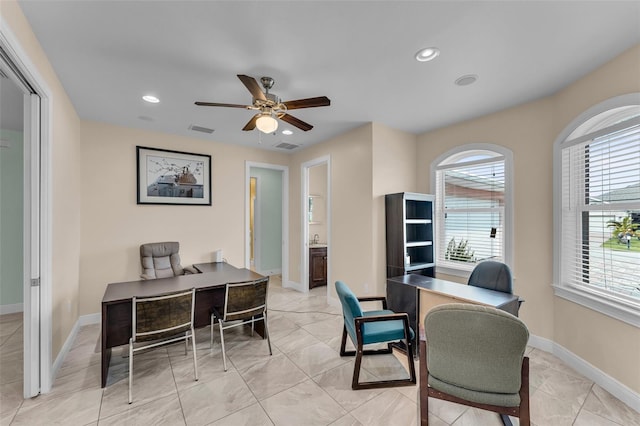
pixel 284 145
pixel 200 129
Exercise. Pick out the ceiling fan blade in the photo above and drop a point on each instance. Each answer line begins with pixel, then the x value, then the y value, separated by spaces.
pixel 296 122
pixel 251 124
pixel 220 105
pixel 308 103
pixel 253 86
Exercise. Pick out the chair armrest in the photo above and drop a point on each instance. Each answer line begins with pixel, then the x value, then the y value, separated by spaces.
pixel 190 270
pixel 383 299
pixel 378 318
pixel 360 321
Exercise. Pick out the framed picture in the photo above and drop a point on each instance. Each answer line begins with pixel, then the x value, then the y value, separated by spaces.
pixel 173 177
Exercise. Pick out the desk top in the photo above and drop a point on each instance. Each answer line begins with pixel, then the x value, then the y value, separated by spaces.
pixel 456 290
pixel 213 274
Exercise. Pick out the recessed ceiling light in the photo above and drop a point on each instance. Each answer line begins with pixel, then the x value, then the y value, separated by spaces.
pixel 427 54
pixel 466 80
pixel 287 132
pixel 151 99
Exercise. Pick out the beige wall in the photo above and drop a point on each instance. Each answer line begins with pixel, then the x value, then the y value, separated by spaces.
pixel 65 184
pixel 394 170
pixel 351 221
pixel 530 130
pixel 114 226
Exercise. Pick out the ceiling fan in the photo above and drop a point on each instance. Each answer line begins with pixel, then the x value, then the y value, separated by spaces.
pixel 271 107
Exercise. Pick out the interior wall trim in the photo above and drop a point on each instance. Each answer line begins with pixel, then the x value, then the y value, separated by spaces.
pixel 11 309
pixel 602 379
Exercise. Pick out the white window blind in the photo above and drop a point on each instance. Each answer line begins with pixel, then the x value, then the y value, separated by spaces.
pixel 470 203
pixel 600 218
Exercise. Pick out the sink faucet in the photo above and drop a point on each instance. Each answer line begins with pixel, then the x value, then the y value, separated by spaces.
pixel 316 238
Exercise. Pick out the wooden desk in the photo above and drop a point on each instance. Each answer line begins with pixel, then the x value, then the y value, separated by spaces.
pixel 416 294
pixel 209 285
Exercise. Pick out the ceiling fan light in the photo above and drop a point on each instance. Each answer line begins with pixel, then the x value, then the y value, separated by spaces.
pixel 266 123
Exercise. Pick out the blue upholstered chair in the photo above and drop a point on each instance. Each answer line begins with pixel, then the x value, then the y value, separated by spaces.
pixel 493 275
pixel 474 355
pixel 365 328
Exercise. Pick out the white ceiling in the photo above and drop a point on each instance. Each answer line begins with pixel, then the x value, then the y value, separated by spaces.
pixel 358 53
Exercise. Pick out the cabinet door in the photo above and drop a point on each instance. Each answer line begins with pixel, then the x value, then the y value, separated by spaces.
pixel 317 267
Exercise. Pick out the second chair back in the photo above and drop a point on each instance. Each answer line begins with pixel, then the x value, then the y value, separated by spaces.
pixel 492 275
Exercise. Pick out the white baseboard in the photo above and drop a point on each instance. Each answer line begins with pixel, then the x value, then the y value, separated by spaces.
pixel 292 285
pixel 606 382
pixel 82 321
pixel 66 347
pixel 270 272
pixel 11 309
pixel 90 319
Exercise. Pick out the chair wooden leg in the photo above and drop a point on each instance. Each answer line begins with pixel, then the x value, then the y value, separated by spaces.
pixel 344 342
pixel 410 362
pixel 355 383
pixel 524 414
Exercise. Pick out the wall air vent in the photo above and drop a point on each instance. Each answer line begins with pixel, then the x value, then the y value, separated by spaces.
pixel 284 145
pixel 200 129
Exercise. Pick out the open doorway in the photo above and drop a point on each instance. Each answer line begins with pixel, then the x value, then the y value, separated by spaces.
pixel 24 106
pixel 316 224
pixel 266 217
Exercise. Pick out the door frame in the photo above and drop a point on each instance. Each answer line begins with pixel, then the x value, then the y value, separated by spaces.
pixel 285 215
pixel 37 369
pixel 325 159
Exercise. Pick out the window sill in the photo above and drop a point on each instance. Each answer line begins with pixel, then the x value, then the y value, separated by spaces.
pixel 604 304
pixel 456 272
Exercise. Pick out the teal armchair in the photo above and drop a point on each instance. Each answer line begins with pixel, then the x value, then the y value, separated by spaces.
pixel 366 328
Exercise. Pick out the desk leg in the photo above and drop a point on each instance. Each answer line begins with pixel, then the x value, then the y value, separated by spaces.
pixel 106 352
pixel 106 358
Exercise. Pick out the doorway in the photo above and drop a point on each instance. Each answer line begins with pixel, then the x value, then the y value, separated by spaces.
pixel 316 224
pixel 25 257
pixel 266 217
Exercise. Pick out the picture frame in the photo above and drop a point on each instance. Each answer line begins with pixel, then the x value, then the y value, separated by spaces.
pixel 172 177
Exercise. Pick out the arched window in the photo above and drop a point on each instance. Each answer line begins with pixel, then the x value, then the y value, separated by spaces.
pixel 597 209
pixel 473 207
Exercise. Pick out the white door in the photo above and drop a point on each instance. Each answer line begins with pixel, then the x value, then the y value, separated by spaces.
pixel 32 371
pixel 21 108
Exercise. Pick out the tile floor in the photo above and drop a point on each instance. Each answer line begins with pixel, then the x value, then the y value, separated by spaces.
pixel 305 382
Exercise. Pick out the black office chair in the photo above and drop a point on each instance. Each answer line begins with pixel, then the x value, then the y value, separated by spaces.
pixel 493 275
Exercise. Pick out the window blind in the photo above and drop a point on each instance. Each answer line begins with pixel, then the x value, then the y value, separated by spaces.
pixel 470 202
pixel 601 213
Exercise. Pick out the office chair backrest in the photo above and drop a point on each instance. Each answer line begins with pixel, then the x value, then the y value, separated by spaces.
pixel 492 275
pixel 160 260
pixel 473 347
